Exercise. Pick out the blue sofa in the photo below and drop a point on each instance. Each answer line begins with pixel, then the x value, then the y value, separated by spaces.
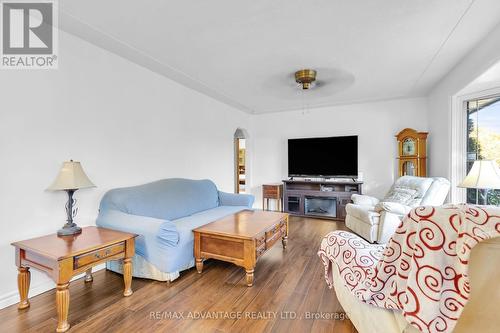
pixel 163 214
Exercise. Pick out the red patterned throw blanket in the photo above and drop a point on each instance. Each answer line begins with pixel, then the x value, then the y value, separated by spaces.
pixel 422 271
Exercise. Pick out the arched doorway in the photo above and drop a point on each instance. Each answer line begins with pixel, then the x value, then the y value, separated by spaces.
pixel 240 161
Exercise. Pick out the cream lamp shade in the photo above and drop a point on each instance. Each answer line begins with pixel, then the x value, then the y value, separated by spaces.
pixel 483 175
pixel 71 177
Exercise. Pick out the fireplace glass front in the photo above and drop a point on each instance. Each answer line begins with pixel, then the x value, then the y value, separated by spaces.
pixel 320 206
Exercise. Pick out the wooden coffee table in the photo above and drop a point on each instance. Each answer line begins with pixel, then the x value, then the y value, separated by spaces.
pixel 240 238
pixel 62 257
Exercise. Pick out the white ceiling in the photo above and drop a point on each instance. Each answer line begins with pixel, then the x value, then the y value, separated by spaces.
pixel 243 53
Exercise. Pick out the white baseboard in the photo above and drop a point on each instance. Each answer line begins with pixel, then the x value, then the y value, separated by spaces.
pixel 12 297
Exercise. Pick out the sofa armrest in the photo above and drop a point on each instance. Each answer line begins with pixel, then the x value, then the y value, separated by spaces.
pixel 364 200
pixel 393 207
pixel 149 229
pixel 389 222
pixel 391 215
pixel 232 199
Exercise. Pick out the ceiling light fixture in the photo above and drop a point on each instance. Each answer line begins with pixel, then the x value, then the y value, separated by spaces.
pixel 305 77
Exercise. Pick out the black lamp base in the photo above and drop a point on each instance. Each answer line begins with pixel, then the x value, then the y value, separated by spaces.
pixel 69 230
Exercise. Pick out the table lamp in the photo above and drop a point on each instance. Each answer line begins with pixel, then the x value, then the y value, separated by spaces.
pixel 71 177
pixel 484 174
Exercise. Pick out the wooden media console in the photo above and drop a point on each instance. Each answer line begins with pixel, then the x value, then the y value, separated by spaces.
pixel 323 199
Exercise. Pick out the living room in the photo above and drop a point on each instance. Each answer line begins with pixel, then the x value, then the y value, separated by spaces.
pixel 143 93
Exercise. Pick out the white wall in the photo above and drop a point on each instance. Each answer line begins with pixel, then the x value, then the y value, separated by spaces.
pixel 374 123
pixel 440 100
pixel 126 125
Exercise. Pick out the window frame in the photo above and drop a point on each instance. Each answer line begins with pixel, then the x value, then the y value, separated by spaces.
pixel 459 138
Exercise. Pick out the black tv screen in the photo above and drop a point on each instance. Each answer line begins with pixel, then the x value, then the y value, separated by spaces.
pixel 323 157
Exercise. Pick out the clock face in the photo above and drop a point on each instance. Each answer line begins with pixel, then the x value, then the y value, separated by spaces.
pixel 409 147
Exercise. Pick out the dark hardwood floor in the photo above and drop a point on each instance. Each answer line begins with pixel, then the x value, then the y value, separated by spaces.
pixel 287 283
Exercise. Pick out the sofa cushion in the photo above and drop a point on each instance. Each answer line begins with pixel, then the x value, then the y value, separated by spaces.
pixel 167 199
pixel 400 195
pixel 419 184
pixel 437 192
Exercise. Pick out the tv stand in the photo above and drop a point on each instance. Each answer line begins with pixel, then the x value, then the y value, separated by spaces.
pixel 323 199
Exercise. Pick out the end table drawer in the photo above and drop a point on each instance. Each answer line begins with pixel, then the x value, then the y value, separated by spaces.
pixel 91 257
pixel 270 192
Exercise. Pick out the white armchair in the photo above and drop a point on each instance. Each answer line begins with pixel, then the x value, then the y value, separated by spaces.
pixel 376 220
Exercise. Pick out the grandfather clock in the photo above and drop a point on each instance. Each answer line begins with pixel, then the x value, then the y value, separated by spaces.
pixel 412 153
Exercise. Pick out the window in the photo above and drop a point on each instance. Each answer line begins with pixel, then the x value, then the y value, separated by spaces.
pixel 483 142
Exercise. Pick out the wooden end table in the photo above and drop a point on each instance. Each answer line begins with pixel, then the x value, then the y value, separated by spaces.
pixel 241 238
pixel 274 192
pixel 62 257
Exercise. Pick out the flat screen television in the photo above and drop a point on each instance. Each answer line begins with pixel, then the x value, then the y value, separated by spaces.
pixel 323 157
